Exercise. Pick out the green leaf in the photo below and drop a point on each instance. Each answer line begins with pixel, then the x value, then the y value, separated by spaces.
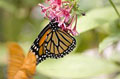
pixel 109 41
pixel 96 18
pixel 115 26
pixel 76 66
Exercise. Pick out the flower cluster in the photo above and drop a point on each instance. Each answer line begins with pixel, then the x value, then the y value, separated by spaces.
pixel 61 12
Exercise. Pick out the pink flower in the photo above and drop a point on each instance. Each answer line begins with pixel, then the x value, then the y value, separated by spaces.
pixel 61 13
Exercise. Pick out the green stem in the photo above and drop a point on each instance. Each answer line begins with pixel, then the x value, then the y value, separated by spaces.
pixel 114 8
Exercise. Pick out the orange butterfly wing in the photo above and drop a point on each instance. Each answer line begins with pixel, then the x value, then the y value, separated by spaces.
pixel 20 67
pixel 52 42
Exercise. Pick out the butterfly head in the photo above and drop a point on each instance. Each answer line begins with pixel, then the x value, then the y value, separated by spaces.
pixel 54 25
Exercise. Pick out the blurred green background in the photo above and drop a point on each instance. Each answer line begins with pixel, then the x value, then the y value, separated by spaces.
pixel 97 55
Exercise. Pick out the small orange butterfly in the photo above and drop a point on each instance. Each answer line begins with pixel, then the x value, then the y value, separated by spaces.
pixel 20 67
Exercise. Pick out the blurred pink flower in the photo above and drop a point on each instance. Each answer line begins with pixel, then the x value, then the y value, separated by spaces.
pixel 61 13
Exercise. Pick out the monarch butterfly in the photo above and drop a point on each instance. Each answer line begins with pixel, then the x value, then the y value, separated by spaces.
pixel 52 42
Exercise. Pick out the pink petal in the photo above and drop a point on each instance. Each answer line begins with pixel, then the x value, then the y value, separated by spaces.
pixel 74 33
pixel 58 2
pixel 44 9
pixel 61 22
pixel 74 28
